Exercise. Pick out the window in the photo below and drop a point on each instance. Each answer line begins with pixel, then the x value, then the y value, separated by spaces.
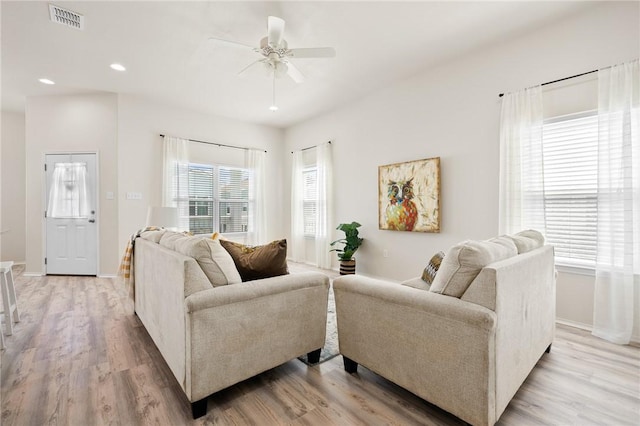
pixel 309 197
pixel 570 157
pixel 218 199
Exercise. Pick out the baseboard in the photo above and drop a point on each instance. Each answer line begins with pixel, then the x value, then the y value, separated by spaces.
pixel 575 324
pixel 588 327
pixel 107 276
pixel 32 274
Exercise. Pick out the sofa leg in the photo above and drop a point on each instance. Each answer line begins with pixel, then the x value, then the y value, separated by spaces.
pixel 199 408
pixel 350 366
pixel 313 357
pixel 548 349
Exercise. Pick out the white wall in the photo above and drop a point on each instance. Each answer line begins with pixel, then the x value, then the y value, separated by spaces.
pixel 140 123
pixel 452 112
pixel 82 123
pixel 12 151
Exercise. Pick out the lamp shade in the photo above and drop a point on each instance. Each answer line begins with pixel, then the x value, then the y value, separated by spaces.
pixel 163 217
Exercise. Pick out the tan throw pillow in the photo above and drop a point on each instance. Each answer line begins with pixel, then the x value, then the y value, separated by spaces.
pixel 527 240
pixel 215 261
pixel 431 270
pixel 254 263
pixel 464 261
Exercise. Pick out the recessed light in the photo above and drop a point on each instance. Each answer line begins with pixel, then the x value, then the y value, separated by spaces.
pixel 46 81
pixel 118 67
pixel 273 108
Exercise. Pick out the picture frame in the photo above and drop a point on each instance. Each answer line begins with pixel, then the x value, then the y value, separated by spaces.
pixel 409 196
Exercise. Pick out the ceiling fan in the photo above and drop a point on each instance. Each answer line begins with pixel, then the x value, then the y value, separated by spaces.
pixel 276 55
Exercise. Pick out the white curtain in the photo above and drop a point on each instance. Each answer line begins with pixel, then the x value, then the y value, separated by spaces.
pixel 175 178
pixel 324 205
pixel 618 229
pixel 521 165
pixel 68 197
pixel 296 246
pixel 257 227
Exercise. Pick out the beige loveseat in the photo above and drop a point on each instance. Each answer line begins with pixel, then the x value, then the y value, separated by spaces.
pixel 213 330
pixel 467 352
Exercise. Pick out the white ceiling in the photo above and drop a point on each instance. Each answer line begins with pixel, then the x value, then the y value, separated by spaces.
pixel 169 59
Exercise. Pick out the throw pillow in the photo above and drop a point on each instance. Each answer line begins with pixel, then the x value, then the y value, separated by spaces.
pixel 464 261
pixel 254 263
pixel 154 235
pixel 169 239
pixel 214 260
pixel 431 270
pixel 527 240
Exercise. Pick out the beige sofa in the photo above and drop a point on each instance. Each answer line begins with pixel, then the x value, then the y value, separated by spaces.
pixel 215 336
pixel 466 353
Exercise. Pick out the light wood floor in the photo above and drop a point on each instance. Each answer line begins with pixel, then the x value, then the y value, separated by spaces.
pixel 80 357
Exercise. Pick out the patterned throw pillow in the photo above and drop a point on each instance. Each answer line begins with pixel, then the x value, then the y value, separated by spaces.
pixel 254 263
pixel 431 270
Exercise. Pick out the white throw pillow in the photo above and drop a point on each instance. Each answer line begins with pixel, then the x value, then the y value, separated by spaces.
pixel 527 240
pixel 214 260
pixel 169 239
pixel 154 236
pixel 464 261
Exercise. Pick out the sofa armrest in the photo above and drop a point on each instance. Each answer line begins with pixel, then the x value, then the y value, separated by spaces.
pixel 446 308
pixel 439 347
pixel 236 293
pixel 237 331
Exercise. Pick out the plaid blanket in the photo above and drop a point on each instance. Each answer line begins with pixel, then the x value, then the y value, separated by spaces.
pixel 124 271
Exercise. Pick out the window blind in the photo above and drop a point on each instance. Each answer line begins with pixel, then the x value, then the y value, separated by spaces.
pixel 218 199
pixel 309 200
pixel 570 155
pixel 233 199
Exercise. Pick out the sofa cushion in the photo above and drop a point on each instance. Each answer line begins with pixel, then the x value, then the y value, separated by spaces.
pixel 431 270
pixel 416 282
pixel 254 263
pixel 464 261
pixel 154 235
pixel 215 261
pixel 527 240
pixel 169 239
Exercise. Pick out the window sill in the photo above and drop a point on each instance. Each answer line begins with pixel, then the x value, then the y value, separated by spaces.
pixel 577 270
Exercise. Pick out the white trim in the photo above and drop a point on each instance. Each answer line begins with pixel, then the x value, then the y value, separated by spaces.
pixel 574 324
pixel 577 270
pixel 106 276
pixel 588 327
pixel 31 274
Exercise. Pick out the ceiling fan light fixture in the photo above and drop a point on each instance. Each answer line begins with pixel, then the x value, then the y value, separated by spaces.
pixel 280 69
pixel 273 108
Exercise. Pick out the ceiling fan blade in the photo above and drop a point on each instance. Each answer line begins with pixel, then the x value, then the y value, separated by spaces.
pixel 250 65
pixel 275 30
pixel 312 52
pixel 294 73
pixel 231 42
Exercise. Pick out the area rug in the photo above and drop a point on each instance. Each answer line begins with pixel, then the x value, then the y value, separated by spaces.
pixel 330 348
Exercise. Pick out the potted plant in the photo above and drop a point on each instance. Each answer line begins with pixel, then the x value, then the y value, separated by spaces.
pixel 350 243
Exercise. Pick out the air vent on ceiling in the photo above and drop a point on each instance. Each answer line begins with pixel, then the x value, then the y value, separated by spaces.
pixel 66 17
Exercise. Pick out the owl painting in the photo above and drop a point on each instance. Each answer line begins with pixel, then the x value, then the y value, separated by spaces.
pixel 401 213
pixel 409 196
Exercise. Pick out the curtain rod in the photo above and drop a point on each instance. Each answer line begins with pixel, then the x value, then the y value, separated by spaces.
pixel 220 144
pixel 311 147
pixel 560 79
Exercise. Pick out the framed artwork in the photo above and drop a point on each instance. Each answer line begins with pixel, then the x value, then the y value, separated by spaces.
pixel 409 196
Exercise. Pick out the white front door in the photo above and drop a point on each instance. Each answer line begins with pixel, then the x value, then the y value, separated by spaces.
pixel 71 229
